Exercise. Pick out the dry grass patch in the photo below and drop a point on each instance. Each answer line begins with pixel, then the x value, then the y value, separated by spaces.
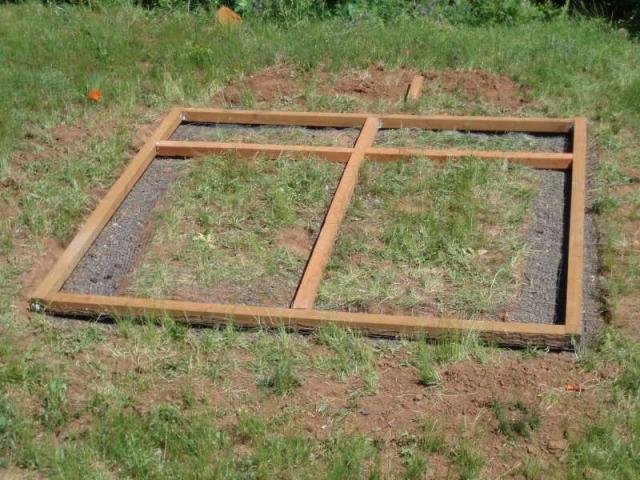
pixel 427 239
pixel 236 231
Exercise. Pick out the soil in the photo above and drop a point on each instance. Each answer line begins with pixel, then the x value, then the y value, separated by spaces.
pixel 270 85
pixel 283 85
pixel 498 90
pixel 104 267
pixel 297 240
pixel 373 84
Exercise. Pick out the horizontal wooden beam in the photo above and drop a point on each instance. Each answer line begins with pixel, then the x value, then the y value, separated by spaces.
pixel 504 333
pixel 547 160
pixel 356 120
pixel 195 149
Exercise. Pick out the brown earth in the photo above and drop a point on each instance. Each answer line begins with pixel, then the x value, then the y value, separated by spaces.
pixel 282 84
pixel 499 90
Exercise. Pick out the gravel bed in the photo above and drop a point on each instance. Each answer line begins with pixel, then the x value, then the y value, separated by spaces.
pixel 104 267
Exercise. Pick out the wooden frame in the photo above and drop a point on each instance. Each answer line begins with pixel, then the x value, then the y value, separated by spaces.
pixel 49 297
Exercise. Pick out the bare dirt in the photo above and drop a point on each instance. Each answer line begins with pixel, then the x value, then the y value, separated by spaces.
pixel 283 85
pixel 495 89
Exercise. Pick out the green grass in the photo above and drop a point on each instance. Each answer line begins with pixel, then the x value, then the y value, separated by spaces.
pixel 344 137
pixel 416 138
pixel 423 239
pixel 253 220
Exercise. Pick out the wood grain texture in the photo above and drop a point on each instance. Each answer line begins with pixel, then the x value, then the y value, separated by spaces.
pixel 195 149
pixel 505 333
pixel 92 227
pixel 415 89
pixel 547 160
pixel 323 119
pixel 575 251
pixel 310 282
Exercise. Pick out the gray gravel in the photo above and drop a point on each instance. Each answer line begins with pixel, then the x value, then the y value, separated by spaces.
pixel 104 267
pixel 542 297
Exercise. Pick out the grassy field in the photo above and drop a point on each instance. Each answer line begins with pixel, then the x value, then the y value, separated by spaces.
pixel 138 400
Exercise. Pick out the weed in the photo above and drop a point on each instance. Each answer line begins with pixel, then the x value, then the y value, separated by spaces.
pixel 352 355
pixel 468 460
pixel 54 404
pixel 516 419
pixel 423 361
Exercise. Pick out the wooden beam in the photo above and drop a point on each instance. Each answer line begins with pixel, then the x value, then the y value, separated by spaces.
pixel 505 333
pixel 308 287
pixel 415 89
pixel 195 149
pixel 258 117
pixel 547 160
pixel 575 252
pixel 356 120
pixel 92 227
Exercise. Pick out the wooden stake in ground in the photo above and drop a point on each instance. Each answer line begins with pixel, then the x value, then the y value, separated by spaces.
pixel 415 89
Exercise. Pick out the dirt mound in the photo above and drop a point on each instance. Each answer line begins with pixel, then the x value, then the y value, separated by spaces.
pixel 269 85
pixel 496 89
pixel 374 83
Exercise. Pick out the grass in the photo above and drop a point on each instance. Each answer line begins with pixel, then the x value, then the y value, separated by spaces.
pixel 139 400
pixel 417 138
pixel 252 220
pixel 424 239
pixel 344 137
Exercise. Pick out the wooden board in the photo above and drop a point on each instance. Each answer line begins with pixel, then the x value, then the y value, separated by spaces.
pixel 310 282
pixel 351 120
pixel 505 333
pixel 415 89
pixel 575 251
pixel 49 297
pixel 547 160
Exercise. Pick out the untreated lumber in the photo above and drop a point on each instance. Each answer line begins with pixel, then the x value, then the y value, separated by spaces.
pixel 415 89
pixel 310 282
pixel 505 333
pixel 92 227
pixel 195 149
pixel 575 251
pixel 547 160
pixel 351 120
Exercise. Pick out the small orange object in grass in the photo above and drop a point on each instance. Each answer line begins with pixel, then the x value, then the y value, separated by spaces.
pixel 94 95
pixel 573 388
pixel 226 16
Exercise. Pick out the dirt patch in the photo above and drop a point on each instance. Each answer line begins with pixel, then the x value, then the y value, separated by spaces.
pixel 499 90
pixel 373 84
pixel 278 83
pixel 297 240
